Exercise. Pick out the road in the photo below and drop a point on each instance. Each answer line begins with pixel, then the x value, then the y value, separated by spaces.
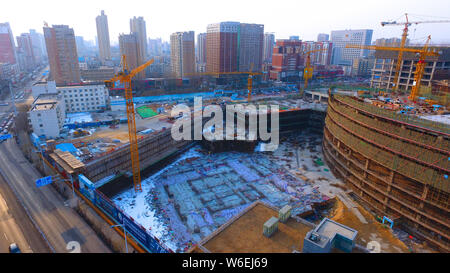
pixel 16 226
pixel 37 219
pixel 59 223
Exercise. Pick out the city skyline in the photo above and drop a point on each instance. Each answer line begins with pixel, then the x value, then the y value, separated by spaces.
pixel 306 25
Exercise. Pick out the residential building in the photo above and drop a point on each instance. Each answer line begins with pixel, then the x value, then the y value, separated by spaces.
pixel 201 49
pixel 322 37
pixel 182 53
pixel 222 47
pixel 7 46
pixel 383 72
pixel 362 67
pixel 48 87
pixel 393 42
pixel 340 38
pixel 287 60
pixel 84 98
pixel 62 54
pixel 269 43
pixel 137 25
pixel 129 46
pixel 154 47
pixel 25 47
pixel 38 43
pixel 104 46
pixel 100 74
pixel 47 115
pixel 323 52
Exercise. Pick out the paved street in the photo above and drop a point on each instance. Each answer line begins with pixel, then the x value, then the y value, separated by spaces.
pixel 37 219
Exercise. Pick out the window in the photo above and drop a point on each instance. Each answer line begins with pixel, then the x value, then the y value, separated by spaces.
pixel 40 125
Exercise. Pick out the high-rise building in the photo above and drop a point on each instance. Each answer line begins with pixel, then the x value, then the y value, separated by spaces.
pixel 222 47
pixel 287 60
pixel 38 43
pixel 81 47
pixel 269 42
pixel 234 46
pixel 25 47
pixel 154 47
pixel 104 46
pixel 323 37
pixel 129 46
pixel 201 48
pixel 393 42
pixel 7 47
pixel 137 25
pixel 62 54
pixel 323 53
pixel 201 53
pixel 182 53
pixel 251 45
pixel 340 38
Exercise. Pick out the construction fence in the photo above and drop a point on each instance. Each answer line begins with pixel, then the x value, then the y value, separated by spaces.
pixel 139 233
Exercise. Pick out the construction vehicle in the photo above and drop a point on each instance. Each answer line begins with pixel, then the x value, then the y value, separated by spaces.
pixel 403 41
pixel 249 80
pixel 423 53
pixel 308 72
pixel 124 77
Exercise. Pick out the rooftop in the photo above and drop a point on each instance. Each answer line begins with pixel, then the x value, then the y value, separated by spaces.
pixel 244 233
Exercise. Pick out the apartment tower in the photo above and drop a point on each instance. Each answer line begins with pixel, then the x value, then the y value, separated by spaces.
pixel 104 46
pixel 62 54
pixel 182 53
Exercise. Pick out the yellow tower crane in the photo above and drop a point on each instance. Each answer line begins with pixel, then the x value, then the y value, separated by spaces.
pixel 403 41
pixel 124 77
pixel 423 53
pixel 308 71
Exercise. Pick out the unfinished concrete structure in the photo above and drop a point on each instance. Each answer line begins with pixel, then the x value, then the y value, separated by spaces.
pixel 397 164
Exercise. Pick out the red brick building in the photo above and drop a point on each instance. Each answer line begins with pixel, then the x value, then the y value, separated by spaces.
pixel 287 61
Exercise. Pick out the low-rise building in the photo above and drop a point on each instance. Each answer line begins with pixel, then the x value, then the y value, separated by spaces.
pixel 47 114
pixel 97 75
pixel 84 98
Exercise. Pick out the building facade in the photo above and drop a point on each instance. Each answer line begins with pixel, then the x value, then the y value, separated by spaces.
pixel 7 47
pixel 104 46
pixel 340 38
pixel 84 98
pixel 383 72
pixel 62 54
pixel 322 37
pixel 182 53
pixel 25 47
pixel 269 43
pixel 323 53
pixel 362 67
pixel 287 60
pixel 201 48
pixel 137 25
pixel 222 47
pixel 129 46
pixel 251 45
pixel 47 115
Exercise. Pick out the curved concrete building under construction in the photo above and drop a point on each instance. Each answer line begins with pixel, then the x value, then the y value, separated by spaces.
pixel 396 164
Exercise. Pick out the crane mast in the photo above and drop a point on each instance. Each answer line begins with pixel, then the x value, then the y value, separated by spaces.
pixel 125 77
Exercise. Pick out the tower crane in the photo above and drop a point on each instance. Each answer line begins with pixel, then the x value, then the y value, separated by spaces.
pixel 308 72
pixel 125 76
pixel 403 41
pixel 423 53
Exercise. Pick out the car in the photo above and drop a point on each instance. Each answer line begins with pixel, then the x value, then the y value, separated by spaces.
pixel 14 248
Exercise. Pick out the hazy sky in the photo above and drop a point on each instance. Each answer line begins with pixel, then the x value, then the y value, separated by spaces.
pixel 305 18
